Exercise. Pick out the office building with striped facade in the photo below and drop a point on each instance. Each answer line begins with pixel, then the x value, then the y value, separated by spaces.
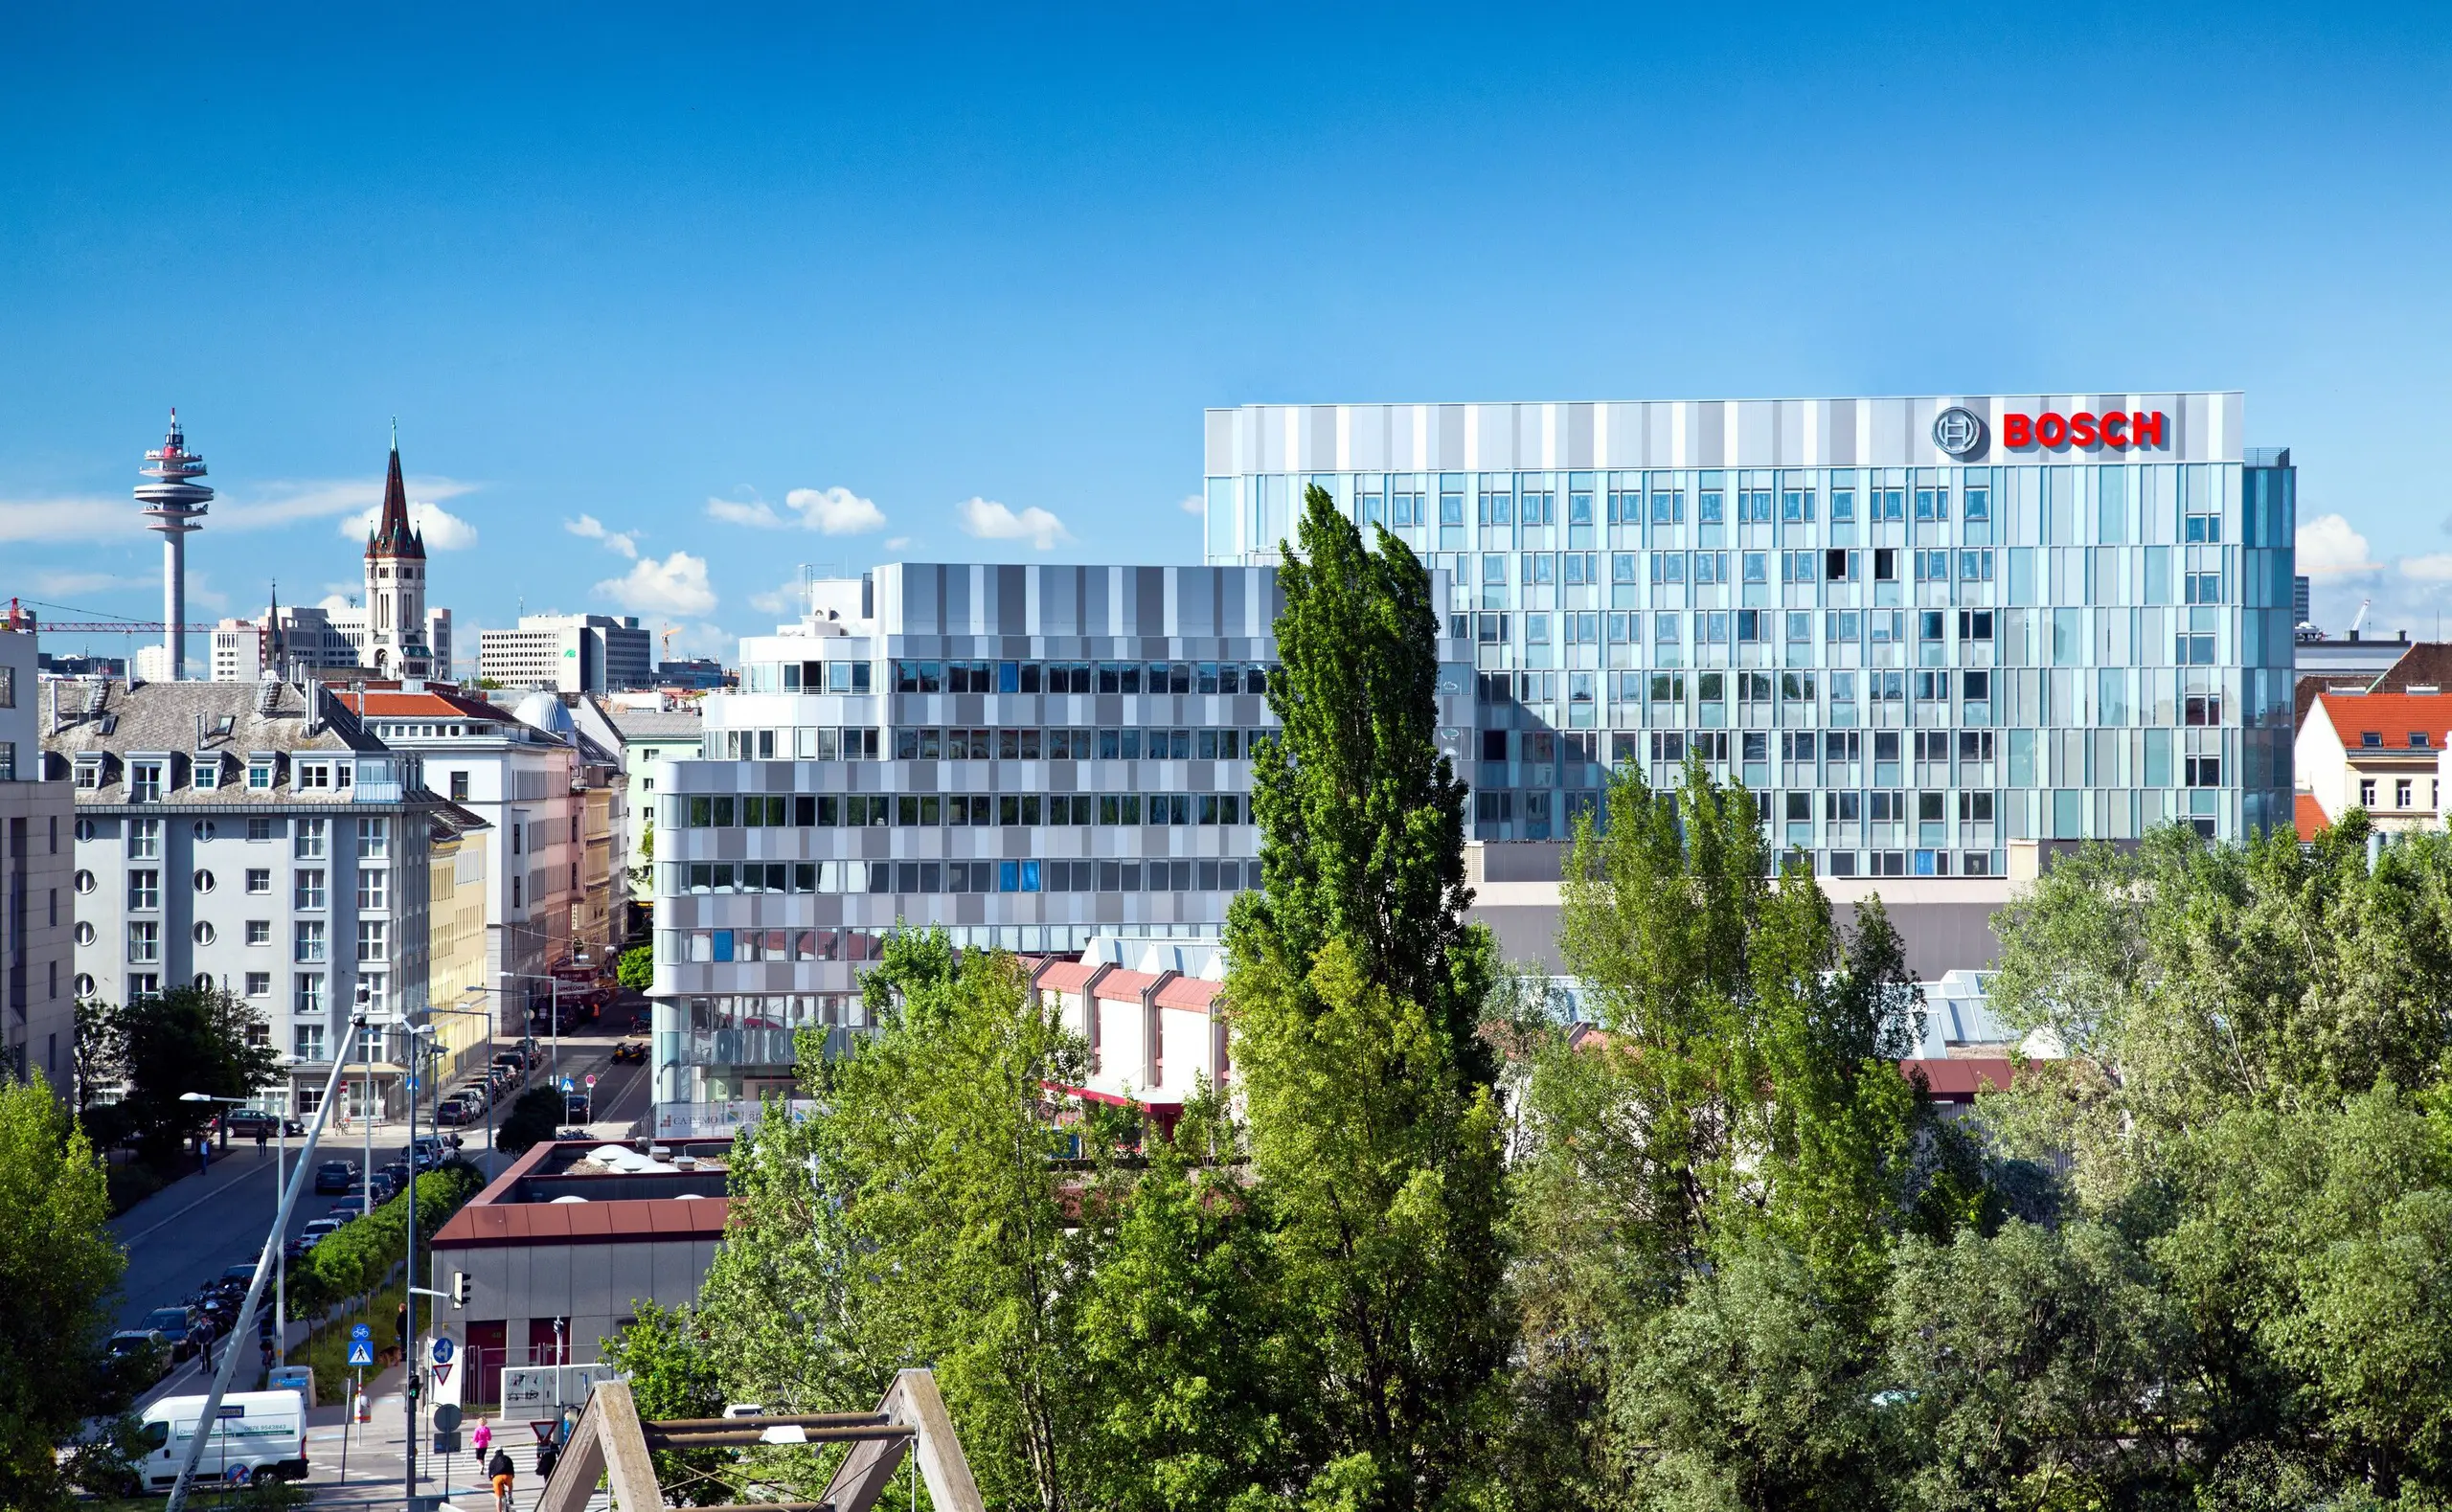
pixel 1029 755
pixel 1924 630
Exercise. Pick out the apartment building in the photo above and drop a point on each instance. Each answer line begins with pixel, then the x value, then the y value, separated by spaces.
pixel 2379 751
pixel 37 1000
pixel 253 837
pixel 524 783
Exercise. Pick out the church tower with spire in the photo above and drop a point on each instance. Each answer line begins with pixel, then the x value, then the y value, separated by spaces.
pixel 395 583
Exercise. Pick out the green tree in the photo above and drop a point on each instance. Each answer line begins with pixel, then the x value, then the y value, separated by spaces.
pixel 188 1039
pixel 59 1271
pixel 672 1376
pixel 637 969
pixel 1356 990
pixel 923 1219
pixel 534 1117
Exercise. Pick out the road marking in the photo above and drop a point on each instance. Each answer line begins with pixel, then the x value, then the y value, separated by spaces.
pixel 129 1240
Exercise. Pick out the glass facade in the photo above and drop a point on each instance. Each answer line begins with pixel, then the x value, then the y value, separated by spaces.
pixel 1912 666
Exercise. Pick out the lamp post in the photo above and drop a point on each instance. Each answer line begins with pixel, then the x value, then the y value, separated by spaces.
pixel 474 1013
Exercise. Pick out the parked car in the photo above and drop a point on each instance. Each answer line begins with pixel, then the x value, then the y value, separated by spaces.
pixel 451 1113
pixel 244 1123
pixel 336 1176
pixel 385 1188
pixel 345 1213
pixel 240 1276
pixel 146 1345
pixel 187 1328
pixel 318 1230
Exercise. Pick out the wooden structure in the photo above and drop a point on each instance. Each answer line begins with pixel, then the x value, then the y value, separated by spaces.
pixel 612 1441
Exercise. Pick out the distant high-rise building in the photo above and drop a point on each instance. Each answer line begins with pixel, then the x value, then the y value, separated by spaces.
pixel 2301 609
pixel 569 653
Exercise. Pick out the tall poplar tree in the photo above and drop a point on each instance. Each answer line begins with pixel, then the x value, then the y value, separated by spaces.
pixel 1357 990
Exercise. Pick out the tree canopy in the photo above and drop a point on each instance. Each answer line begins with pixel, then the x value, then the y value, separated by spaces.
pixel 60 1269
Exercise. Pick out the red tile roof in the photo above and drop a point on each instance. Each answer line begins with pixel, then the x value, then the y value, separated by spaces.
pixel 2393 717
pixel 1125 986
pixel 1958 1080
pixel 429 706
pixel 1066 976
pixel 2308 815
pixel 1195 993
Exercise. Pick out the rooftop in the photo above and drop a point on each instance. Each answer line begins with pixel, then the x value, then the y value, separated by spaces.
pixel 592 1191
pixel 2382 724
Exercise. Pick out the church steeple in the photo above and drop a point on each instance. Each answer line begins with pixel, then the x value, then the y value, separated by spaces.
pixel 392 535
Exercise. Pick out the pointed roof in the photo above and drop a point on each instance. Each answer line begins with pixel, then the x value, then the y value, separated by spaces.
pixel 393 535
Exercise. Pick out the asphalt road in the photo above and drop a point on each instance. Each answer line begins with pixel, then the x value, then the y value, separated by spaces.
pixel 198 1227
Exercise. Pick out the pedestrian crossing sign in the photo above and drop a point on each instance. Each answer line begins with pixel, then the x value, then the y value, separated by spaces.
pixel 361 1351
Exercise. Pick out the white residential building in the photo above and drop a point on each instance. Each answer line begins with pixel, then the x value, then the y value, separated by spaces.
pixel 37 1002
pixel 253 837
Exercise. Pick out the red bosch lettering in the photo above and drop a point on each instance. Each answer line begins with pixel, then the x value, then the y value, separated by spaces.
pixel 2082 429
pixel 2017 430
pixel 2051 429
pixel 2147 428
pixel 2115 426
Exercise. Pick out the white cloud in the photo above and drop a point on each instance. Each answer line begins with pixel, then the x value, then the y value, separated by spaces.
pixel 622 543
pixel 783 598
pixel 1190 504
pixel 440 528
pixel 62 583
pixel 336 604
pixel 2436 568
pixel 2327 546
pixel 990 521
pixel 677 585
pixel 829 511
pixel 91 519
pixel 895 543
pixel 288 503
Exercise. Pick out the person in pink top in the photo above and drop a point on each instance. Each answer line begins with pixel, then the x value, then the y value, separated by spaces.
pixel 482 1438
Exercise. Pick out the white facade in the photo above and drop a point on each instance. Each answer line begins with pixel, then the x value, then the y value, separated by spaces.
pixel 568 653
pixel 249 837
pixel 37 1004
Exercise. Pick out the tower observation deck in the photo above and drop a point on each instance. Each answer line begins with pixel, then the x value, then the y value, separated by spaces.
pixel 175 503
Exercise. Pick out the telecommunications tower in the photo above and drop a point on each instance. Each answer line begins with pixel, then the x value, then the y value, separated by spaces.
pixel 175 503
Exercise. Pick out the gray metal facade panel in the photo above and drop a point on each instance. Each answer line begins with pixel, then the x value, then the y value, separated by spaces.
pixel 1449 450
pixel 1218 457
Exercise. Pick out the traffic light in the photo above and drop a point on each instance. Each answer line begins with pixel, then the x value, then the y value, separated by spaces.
pixel 459 1288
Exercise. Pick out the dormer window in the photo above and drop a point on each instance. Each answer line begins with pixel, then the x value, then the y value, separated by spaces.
pixel 2370 740
pixel 313 774
pixel 344 773
pixel 259 774
pixel 89 773
pixel 144 781
pixel 2419 740
pixel 208 771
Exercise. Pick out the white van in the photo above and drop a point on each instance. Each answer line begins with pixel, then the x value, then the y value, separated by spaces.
pixel 259 1433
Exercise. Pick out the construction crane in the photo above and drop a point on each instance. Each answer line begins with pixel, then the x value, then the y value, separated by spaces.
pixel 2364 604
pixel 20 618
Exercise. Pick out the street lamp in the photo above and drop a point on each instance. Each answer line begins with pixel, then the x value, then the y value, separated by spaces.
pixel 474 1013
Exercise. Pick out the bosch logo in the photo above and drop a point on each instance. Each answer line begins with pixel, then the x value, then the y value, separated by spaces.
pixel 1958 431
pixel 2117 430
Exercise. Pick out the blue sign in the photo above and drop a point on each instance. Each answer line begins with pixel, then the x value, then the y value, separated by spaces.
pixel 441 1350
pixel 359 1331
pixel 361 1351
pixel 566 1084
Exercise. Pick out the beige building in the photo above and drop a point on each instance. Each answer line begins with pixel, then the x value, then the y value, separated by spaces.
pixel 456 935
pixel 2378 752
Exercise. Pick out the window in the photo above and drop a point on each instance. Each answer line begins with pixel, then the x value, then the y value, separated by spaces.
pixel 84 932
pixel 308 942
pixel 2367 793
pixel 2193 650
pixel 144 781
pixel 370 938
pixel 260 774
pixel 1975 809
pixel 375 888
pixel 308 841
pixel 144 839
pixel 375 839
pixel 1932 503
pixel 145 889
pixel 2401 793
pixel 459 787
pixel 259 828
pixel 314 775
pixel 260 983
pixel 145 941
pixel 260 880
pixel 2202 529
pixel 2202 588
pixel 2201 709
pixel 203 933
pixel 2206 771
pixel 306 1040
pixel 307 893
pixel 259 932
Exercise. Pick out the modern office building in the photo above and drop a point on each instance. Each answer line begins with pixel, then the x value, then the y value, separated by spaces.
pixel 1921 628
pixel 253 837
pixel 567 653
pixel 38 998
pixel 1028 755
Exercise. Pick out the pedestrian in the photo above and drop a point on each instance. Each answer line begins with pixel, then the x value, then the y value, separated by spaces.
pixel 547 1457
pixel 260 1136
pixel 499 1467
pixel 483 1437
pixel 203 1153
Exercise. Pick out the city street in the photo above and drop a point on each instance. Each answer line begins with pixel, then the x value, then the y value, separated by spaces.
pixel 199 1227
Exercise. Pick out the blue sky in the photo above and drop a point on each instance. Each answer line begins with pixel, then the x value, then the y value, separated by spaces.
pixel 717 282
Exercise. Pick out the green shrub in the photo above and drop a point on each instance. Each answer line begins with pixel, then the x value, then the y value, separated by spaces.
pixel 357 1258
pixel 533 1119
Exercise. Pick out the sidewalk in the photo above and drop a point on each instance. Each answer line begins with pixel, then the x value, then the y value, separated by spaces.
pixel 376 1462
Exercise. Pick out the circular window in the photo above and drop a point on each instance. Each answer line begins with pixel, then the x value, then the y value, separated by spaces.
pixel 204 829
pixel 84 985
pixel 204 981
pixel 203 881
pixel 85 882
pixel 84 829
pixel 203 933
pixel 84 932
